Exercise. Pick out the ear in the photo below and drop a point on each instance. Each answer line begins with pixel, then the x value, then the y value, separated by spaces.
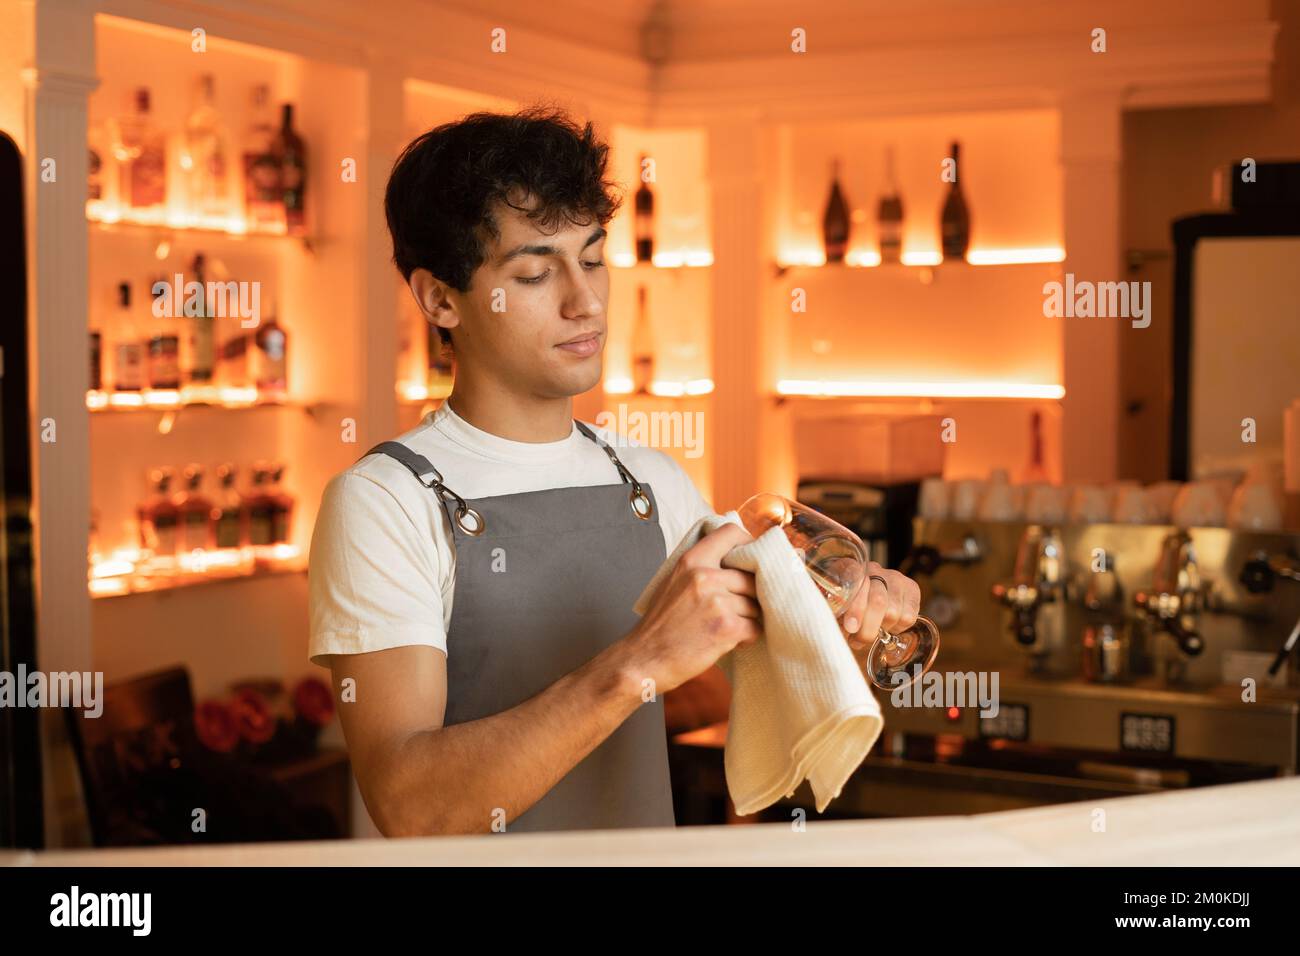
pixel 433 296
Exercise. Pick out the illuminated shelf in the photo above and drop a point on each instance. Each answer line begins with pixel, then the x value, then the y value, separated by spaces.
pixel 925 258
pixel 161 224
pixel 1015 391
pixel 170 399
pixel 124 574
pixel 623 387
pixel 415 393
pixel 688 259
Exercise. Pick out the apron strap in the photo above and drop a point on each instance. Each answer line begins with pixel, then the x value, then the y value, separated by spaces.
pixel 640 502
pixel 466 518
pixel 469 520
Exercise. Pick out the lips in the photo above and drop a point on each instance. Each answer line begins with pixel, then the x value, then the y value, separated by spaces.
pixel 582 346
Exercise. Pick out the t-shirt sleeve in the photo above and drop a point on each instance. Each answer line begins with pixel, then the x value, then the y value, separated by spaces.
pixel 683 505
pixel 373 580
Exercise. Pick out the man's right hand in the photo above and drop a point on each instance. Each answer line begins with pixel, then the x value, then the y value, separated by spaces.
pixel 700 612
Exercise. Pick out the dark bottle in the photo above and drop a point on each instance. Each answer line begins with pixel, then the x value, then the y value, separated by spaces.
pixel 643 351
pixel 259 509
pixel 889 215
pixel 158 516
pixel 954 226
pixel 227 511
pixel 835 221
pixel 162 358
pixel 96 360
pixel 291 157
pixel 268 360
pixel 645 217
pixel 200 340
pixel 197 530
pixel 281 505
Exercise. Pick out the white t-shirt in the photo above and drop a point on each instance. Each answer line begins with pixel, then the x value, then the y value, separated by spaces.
pixel 383 558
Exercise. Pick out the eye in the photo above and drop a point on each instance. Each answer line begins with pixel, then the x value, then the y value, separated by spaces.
pixel 598 264
pixel 533 280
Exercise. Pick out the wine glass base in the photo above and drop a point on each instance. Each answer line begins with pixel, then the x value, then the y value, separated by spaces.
pixel 898 660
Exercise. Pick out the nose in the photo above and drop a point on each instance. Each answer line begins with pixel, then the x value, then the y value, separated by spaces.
pixel 582 299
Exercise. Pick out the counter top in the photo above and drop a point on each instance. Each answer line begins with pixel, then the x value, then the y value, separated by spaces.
pixel 1242 824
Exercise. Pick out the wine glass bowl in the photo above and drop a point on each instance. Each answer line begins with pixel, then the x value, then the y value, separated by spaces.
pixel 836 560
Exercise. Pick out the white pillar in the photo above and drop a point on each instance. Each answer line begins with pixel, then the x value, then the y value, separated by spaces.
pixel 59 79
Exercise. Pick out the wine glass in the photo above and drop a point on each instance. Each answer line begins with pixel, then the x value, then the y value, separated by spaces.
pixel 836 560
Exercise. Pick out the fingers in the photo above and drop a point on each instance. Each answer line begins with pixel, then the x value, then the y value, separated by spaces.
pixel 904 601
pixel 713 547
pixel 737 582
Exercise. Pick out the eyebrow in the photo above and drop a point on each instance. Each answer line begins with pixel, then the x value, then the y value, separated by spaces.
pixel 542 250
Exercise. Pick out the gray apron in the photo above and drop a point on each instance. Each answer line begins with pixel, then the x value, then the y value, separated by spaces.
pixel 546 580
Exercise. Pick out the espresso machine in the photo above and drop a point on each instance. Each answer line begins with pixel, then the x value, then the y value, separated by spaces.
pixel 1129 659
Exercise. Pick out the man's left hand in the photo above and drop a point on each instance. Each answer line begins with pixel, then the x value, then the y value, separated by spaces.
pixel 892 604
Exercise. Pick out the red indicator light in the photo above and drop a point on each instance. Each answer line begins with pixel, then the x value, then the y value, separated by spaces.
pixel 954 713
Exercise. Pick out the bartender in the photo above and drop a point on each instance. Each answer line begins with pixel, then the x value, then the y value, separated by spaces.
pixel 472 580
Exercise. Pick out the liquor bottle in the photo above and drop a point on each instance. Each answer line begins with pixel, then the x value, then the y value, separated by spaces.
pixel 96 360
pixel 228 510
pixel 263 208
pixel 128 352
pixel 281 504
pixel 140 151
pixel 835 220
pixel 1035 470
pixel 162 358
pixel 643 353
pixel 205 160
pixel 196 528
pixel 954 226
pixel 233 366
pixel 889 215
pixel 96 160
pixel 200 347
pixel 291 159
pixel 645 216
pixel 268 360
pixel 440 375
pixel 158 517
pixel 258 507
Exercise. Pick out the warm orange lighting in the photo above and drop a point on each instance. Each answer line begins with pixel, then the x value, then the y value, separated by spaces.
pixel 100 211
pixel 1009 257
pixel 224 396
pixel 690 258
pixel 419 392
pixel 619 385
pixel 919 389
pixel 870 258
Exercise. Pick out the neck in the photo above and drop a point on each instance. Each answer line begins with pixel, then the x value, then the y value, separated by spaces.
pixel 512 416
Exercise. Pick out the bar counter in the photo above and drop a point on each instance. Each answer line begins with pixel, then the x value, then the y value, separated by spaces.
pixel 1245 824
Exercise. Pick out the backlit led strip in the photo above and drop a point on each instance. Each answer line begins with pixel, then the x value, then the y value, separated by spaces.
pixel 868 389
pixel 870 258
pixel 619 385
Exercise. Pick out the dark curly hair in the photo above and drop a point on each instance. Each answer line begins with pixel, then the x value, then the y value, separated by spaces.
pixel 439 196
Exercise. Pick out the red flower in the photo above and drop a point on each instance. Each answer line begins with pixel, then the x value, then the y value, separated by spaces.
pixel 216 726
pixel 313 701
pixel 256 722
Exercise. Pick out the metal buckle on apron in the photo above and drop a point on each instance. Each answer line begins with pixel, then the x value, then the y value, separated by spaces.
pixel 639 501
pixel 642 506
pixel 463 510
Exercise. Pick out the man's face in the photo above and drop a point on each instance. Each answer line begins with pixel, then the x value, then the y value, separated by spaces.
pixel 533 318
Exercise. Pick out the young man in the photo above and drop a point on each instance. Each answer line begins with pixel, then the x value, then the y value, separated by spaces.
pixel 472 583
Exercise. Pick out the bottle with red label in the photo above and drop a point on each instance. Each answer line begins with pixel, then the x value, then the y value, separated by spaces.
pixel 158 516
pixel 197 530
pixel 291 157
